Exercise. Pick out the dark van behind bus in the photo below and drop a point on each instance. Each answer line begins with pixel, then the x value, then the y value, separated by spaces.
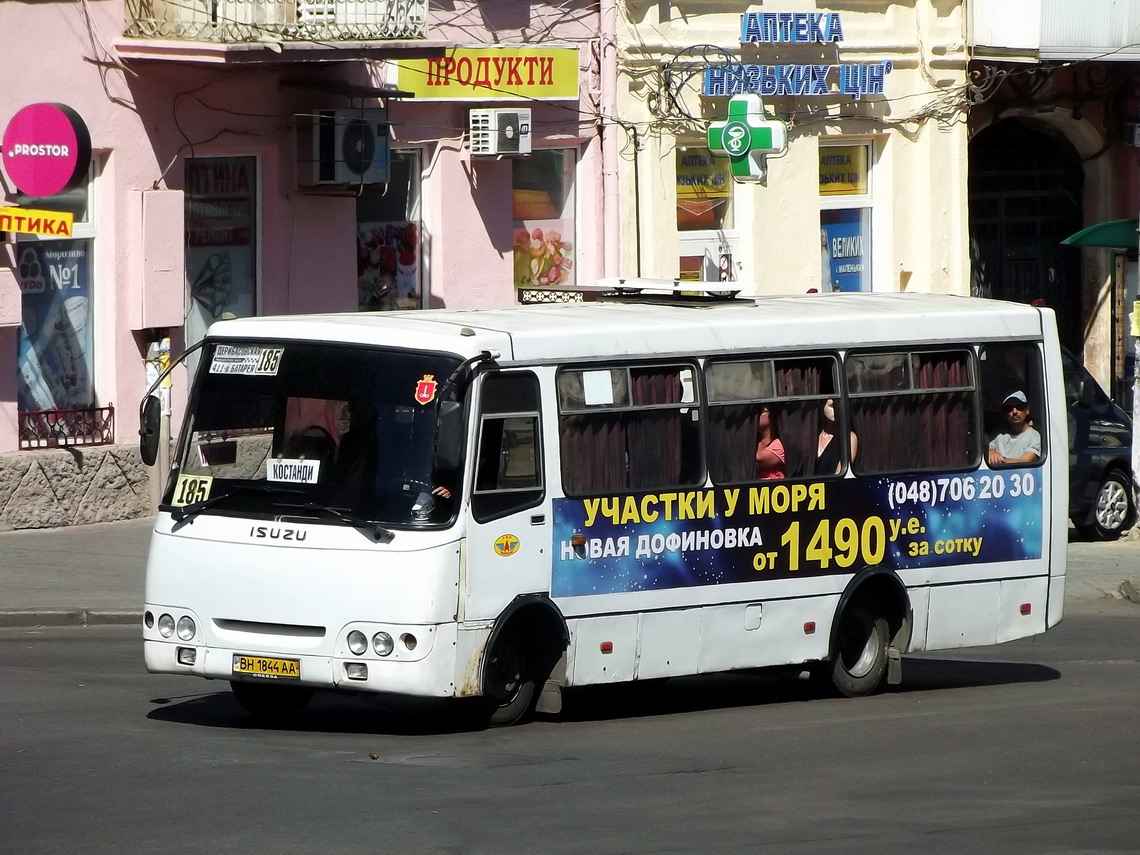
pixel 1100 457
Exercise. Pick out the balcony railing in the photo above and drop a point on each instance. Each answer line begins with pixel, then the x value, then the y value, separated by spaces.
pixel 60 428
pixel 236 21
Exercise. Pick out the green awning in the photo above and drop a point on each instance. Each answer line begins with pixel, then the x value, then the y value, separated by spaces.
pixel 1119 234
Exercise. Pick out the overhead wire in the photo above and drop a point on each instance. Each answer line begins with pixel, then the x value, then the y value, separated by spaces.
pixel 946 105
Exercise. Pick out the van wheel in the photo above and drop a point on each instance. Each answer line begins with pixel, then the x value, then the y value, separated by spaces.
pixel 270 701
pixel 1113 511
pixel 509 692
pixel 860 660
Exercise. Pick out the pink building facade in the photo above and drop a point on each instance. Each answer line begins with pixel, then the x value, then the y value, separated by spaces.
pixel 253 157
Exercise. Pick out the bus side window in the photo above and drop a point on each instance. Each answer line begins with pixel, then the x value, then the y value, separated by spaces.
pixel 633 427
pixel 792 391
pixel 1012 378
pixel 508 469
pixel 913 411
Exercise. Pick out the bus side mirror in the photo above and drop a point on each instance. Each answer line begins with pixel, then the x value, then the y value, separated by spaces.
pixel 149 429
pixel 448 435
pixel 1088 395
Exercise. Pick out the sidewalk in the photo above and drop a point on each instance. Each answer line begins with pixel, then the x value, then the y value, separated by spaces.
pixel 94 574
pixel 84 574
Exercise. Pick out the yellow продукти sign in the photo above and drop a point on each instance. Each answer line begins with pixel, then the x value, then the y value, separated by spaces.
pixel 484 74
pixel 31 222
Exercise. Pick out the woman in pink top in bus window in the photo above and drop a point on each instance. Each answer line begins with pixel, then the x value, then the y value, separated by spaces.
pixel 769 448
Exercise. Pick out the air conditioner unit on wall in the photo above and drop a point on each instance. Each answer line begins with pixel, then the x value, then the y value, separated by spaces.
pixel 344 147
pixel 500 132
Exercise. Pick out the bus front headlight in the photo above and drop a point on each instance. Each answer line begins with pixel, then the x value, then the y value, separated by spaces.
pixel 382 643
pixel 357 642
pixel 186 628
pixel 166 626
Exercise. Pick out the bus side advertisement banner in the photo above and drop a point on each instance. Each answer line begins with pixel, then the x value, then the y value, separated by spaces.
pixel 780 530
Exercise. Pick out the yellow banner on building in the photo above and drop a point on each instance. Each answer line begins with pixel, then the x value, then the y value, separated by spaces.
pixel 842 170
pixel 702 176
pixel 487 74
pixel 28 221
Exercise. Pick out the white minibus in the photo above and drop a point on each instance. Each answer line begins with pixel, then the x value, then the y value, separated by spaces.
pixel 500 504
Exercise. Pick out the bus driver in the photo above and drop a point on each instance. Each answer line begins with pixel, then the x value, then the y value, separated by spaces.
pixel 1019 443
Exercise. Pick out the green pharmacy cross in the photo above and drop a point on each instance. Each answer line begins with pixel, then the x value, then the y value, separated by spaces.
pixel 747 137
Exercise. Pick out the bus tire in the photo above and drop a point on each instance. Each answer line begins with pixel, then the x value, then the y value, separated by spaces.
pixel 859 663
pixel 270 701
pixel 510 690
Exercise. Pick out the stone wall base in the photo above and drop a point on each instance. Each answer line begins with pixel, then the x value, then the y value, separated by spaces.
pixel 73 486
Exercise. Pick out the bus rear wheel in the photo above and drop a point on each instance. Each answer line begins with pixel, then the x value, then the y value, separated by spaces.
pixel 270 701
pixel 509 689
pixel 860 659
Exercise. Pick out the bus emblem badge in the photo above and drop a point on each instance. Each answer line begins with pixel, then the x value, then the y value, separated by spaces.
pixel 506 545
pixel 425 389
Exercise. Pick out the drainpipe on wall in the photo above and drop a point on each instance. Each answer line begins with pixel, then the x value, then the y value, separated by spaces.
pixel 611 209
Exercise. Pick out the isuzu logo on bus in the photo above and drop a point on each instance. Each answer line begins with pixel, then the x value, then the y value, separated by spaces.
pixel 277 533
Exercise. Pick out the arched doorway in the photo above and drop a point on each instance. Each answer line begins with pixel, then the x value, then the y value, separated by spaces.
pixel 1025 190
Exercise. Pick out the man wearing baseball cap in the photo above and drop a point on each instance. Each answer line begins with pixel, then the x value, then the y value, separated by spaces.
pixel 1020 443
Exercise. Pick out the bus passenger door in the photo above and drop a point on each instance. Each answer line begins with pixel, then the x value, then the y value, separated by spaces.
pixel 509 536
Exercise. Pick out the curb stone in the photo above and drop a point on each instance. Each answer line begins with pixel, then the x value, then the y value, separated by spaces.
pixel 67 617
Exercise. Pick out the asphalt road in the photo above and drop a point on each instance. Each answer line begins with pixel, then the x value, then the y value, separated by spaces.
pixel 1025 748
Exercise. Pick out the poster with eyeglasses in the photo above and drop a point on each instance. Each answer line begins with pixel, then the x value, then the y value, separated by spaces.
pixel 221 228
pixel 54 342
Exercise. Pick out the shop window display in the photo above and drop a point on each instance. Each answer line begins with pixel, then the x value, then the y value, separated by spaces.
pixel 55 332
pixel 221 235
pixel 55 344
pixel 845 217
pixel 542 197
pixel 389 240
pixel 706 238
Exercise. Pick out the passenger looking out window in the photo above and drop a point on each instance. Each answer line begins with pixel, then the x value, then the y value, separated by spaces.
pixel 769 448
pixel 1012 377
pixel 1019 442
pixel 829 454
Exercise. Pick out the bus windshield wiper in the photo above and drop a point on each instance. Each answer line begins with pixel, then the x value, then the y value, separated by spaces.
pixel 186 511
pixel 378 532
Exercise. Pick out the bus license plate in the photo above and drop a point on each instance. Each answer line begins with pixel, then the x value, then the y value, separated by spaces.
pixel 266 666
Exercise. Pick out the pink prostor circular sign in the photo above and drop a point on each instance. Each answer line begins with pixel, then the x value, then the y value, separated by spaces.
pixel 47 149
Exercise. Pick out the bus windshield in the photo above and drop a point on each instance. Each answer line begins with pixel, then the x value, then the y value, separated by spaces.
pixel 313 430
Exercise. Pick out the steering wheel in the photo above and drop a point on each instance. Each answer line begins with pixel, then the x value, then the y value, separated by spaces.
pixel 311 443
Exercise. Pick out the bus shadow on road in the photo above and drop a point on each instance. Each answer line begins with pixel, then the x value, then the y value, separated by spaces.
pixel 333 712
pixel 780 686
pixel 327 712
pixel 930 674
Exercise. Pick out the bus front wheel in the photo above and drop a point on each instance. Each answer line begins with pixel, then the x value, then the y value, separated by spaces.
pixel 270 701
pixel 860 659
pixel 509 690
